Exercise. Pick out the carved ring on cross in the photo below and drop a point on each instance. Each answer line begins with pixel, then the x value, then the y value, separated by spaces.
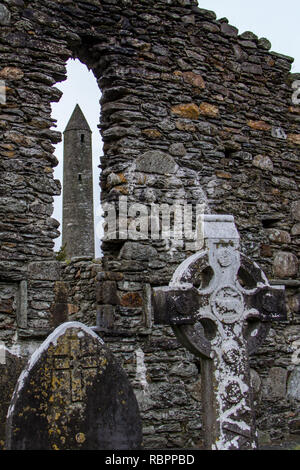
pixel 227 303
pixel 215 290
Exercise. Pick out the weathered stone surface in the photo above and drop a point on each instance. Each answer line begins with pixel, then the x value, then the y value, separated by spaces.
pixel 11 73
pixel 155 161
pixel 278 133
pixel 294 138
pixel 293 388
pixel 137 251
pixel 229 30
pixel 194 79
pixel 4 15
pixel 296 229
pixel 251 68
pixel 263 162
pixel 106 293
pixel 73 395
pixel 294 303
pixel 152 133
pixel 60 308
pixel 177 150
pixel 279 236
pixel 264 44
pixel 105 317
pixel 44 270
pixel 259 125
pixel 295 209
pixel 209 110
pixel 255 383
pixel 189 110
pixel 275 384
pixel 285 265
pixel 11 366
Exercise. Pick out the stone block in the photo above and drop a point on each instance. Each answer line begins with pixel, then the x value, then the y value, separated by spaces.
pixel 250 68
pixel 44 270
pixel 177 149
pixel 294 138
pixel 264 44
pixel 259 125
pixel 294 425
pixel 295 210
pixel 296 229
pixel 274 385
pixel 209 110
pixel 11 73
pixel 285 265
pixel 105 317
pixel 263 162
pixel 255 383
pixel 188 110
pixel 155 161
pixel 138 251
pixel 194 79
pixel 229 30
pixel 293 387
pixel 106 292
pixel 294 303
pixel 131 300
pixel 5 15
pixel 279 236
pixel 152 133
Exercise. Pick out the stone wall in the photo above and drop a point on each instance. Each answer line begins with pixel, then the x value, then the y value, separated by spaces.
pixel 78 280
pixel 191 111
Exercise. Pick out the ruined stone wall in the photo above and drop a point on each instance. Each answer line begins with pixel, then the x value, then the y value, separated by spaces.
pixel 191 111
pixel 79 282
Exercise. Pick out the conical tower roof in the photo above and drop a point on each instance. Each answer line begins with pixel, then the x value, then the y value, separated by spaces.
pixel 77 121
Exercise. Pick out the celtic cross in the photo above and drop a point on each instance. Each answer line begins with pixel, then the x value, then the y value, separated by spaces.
pixel 220 304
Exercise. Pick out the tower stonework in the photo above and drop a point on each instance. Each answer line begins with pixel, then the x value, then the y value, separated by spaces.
pixel 78 213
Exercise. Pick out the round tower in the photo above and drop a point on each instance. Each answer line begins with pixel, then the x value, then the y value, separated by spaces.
pixel 78 212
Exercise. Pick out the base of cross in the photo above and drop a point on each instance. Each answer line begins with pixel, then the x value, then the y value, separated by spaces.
pixel 220 305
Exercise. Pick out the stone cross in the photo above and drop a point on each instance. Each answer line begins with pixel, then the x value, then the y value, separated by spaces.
pixel 220 304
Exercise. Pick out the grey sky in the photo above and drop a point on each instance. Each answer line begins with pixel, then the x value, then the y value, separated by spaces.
pixel 273 19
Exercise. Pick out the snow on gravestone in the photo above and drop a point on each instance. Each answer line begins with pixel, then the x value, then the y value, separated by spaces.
pixel 73 395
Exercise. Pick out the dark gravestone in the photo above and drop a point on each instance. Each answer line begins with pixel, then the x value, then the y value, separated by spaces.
pixel 73 395
pixel 11 366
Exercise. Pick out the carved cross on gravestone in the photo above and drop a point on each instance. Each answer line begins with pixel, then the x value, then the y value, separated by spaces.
pixel 219 305
pixel 70 364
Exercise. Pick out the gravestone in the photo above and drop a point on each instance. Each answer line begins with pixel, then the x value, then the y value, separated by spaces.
pixel 219 305
pixel 73 395
pixel 11 366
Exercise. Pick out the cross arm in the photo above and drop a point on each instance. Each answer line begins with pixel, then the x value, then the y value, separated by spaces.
pixel 175 306
pixel 269 302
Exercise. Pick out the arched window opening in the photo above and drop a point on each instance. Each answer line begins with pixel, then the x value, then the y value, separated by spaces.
pixel 80 90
